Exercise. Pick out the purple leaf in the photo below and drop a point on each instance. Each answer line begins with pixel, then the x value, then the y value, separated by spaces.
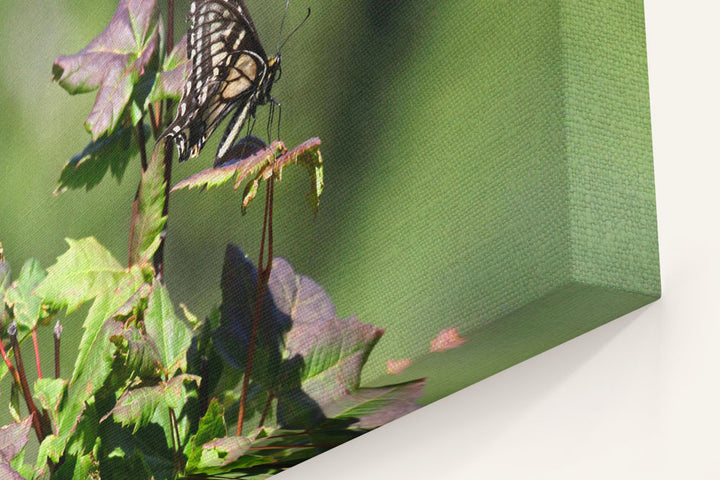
pixel 13 438
pixel 171 80
pixel 231 338
pixel 113 62
pixel 243 168
pixel 246 161
pixel 308 357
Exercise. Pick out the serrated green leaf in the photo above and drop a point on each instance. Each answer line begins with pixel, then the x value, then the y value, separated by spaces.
pixel 247 160
pixel 148 220
pixel 81 467
pixel 50 392
pixel 27 308
pixel 212 426
pixel 113 62
pixel 137 406
pixel 171 336
pixel 91 371
pixel 222 452
pixel 110 152
pixel 141 358
pixel 103 309
pixel 85 271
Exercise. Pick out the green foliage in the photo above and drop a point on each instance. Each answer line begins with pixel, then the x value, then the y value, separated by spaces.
pixel 148 220
pixel 151 394
pixel 109 152
pixel 26 307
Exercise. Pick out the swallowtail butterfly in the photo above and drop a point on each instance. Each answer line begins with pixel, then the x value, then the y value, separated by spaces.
pixel 230 71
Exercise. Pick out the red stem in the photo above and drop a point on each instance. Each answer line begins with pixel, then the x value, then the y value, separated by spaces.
pixel 266 410
pixel 37 353
pixel 57 331
pixel 10 366
pixel 311 445
pixel 12 331
pixel 262 281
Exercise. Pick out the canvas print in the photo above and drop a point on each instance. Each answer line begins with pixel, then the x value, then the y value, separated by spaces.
pixel 235 234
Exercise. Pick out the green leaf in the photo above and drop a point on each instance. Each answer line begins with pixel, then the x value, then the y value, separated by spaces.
pixel 109 152
pixel 81 467
pixel 212 426
pixel 27 308
pixel 94 339
pixel 85 271
pixel 137 406
pixel 92 368
pixel 171 336
pixel 113 62
pixel 50 392
pixel 140 357
pixel 148 219
pixel 217 455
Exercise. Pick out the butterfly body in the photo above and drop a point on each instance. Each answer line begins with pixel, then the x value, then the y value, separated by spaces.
pixel 230 72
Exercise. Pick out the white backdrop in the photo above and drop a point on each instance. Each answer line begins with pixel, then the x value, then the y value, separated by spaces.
pixel 637 398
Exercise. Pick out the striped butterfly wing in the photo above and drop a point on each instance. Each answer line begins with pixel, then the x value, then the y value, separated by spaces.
pixel 229 66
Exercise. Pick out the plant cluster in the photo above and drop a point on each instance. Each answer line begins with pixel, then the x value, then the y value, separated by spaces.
pixel 269 378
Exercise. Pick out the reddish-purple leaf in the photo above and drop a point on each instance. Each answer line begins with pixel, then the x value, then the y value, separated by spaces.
pixel 368 408
pixel 307 356
pixel 247 161
pixel 112 62
pixel 231 338
pixel 171 80
pixel 243 168
pixel 13 438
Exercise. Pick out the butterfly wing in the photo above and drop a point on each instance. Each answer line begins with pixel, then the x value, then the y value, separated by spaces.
pixel 228 63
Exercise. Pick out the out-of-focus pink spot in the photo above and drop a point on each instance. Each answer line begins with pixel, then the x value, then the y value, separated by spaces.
pixel 447 340
pixel 397 366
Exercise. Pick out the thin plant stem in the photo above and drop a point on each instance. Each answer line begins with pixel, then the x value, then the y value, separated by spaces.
pixel 159 257
pixel 9 365
pixel 262 281
pixel 311 445
pixel 12 332
pixel 141 141
pixel 266 410
pixel 37 353
pixel 57 332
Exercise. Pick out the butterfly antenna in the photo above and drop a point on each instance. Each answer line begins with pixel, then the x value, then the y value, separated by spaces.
pixel 294 30
pixel 282 24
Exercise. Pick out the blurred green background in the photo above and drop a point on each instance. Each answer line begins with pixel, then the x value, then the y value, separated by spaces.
pixel 437 118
